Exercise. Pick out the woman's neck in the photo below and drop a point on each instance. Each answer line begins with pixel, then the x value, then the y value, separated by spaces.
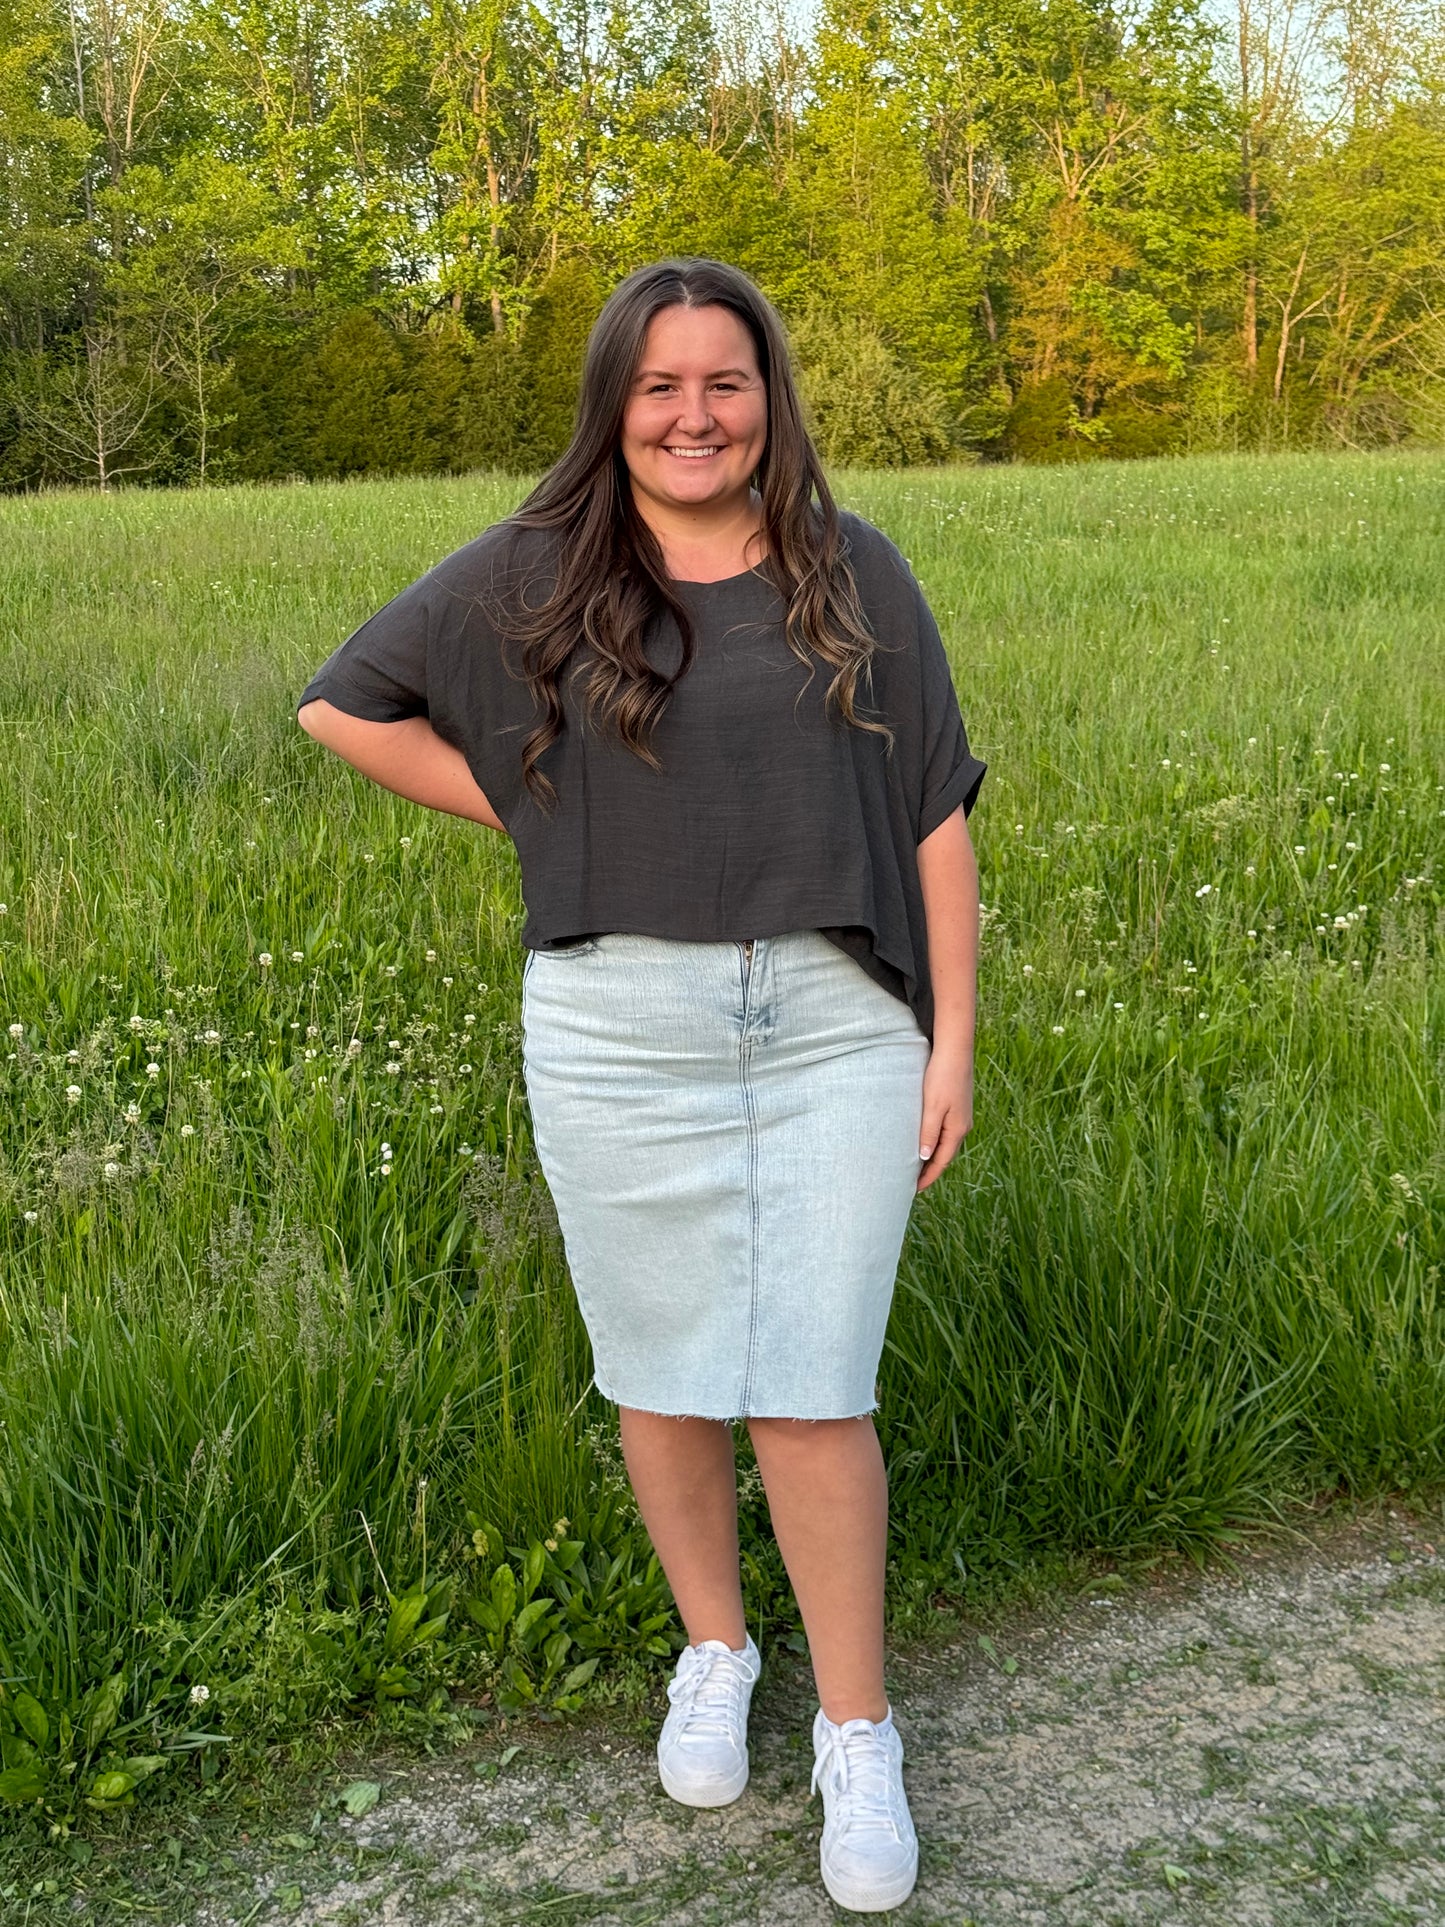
pixel 698 552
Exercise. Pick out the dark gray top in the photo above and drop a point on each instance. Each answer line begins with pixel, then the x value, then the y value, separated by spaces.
pixel 768 814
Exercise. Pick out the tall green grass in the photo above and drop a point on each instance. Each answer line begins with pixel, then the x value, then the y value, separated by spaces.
pixel 1187 1264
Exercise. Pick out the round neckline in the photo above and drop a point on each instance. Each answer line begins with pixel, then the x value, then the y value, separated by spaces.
pixel 721 581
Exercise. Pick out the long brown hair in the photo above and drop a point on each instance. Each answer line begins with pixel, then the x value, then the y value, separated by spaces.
pixel 611 579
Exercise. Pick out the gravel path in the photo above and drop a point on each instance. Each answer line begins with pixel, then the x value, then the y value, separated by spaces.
pixel 1264 1747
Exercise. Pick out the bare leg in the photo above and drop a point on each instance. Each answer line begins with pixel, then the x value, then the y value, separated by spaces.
pixel 828 1495
pixel 685 1480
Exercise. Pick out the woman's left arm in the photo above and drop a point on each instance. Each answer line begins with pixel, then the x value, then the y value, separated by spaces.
pixel 948 873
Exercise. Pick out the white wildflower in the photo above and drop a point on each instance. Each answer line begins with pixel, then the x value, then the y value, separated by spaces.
pixel 264 960
pixel 110 1168
pixel 213 1037
pixel 188 1130
pixel 72 1093
pixel 17 1030
pixel 1204 889
pixel 153 1070
pixel 353 1049
pixel 136 1023
pixel 1058 1030
pixel 431 956
pixel 1299 849
pixel 392 1065
pixel 1028 970
pixel 389 970
pixel 199 1695
pixel 1384 769
pixel 463 1070
pixel 386 1170
pixel 297 956
pixel 406 842
pixel 32 1217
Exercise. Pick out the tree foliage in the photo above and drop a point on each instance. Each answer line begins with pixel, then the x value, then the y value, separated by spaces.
pixel 264 238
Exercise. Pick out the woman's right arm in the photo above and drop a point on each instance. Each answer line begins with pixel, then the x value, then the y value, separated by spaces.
pixel 408 758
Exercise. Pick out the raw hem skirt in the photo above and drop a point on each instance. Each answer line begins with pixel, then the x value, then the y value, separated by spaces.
pixel 731 1141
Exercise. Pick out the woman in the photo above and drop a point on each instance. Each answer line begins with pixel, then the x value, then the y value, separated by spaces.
pixel 717 721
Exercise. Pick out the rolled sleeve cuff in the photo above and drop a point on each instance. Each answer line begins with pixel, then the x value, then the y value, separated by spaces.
pixel 961 787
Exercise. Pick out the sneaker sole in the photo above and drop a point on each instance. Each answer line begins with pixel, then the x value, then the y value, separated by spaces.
pixel 721 1794
pixel 875 1898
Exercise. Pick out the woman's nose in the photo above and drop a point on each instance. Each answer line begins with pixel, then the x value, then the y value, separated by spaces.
pixel 694 414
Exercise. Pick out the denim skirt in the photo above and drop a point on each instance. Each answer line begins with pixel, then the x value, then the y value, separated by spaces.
pixel 729 1132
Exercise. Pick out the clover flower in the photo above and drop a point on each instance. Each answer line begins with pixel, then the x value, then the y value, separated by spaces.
pixel 72 1093
pixel 17 1030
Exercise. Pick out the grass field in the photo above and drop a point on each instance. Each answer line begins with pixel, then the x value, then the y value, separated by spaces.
pixel 284 1322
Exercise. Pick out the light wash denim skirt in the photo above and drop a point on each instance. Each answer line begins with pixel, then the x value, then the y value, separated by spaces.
pixel 730 1136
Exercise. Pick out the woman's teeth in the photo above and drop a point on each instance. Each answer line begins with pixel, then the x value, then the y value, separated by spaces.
pixel 692 454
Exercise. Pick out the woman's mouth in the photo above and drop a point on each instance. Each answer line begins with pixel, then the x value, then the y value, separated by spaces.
pixel 696 454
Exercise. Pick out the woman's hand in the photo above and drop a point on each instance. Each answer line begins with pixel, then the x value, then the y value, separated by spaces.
pixel 947 1108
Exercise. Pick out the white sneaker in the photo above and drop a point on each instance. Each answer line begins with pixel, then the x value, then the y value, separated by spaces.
pixel 869 1855
pixel 702 1751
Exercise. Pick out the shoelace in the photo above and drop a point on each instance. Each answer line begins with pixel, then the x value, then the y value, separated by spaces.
pixel 709 1693
pixel 855 1765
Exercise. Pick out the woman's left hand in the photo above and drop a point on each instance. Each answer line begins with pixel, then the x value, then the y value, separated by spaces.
pixel 947 1109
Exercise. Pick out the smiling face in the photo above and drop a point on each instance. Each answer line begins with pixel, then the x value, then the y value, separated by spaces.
pixel 696 421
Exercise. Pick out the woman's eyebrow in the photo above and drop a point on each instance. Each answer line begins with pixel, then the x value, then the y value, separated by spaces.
pixel 668 374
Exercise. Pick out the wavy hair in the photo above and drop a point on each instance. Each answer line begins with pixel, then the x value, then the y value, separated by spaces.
pixel 611 579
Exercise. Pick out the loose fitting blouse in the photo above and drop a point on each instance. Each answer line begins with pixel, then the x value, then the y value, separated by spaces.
pixel 768 814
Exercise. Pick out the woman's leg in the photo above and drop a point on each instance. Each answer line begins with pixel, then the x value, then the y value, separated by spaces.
pixel 828 1496
pixel 685 1480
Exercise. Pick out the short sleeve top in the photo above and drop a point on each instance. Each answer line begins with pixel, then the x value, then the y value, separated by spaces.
pixel 769 813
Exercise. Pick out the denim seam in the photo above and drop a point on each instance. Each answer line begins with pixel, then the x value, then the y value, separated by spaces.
pixel 754 1227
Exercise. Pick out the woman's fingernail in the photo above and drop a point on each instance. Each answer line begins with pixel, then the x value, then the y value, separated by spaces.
pixel 925 1150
